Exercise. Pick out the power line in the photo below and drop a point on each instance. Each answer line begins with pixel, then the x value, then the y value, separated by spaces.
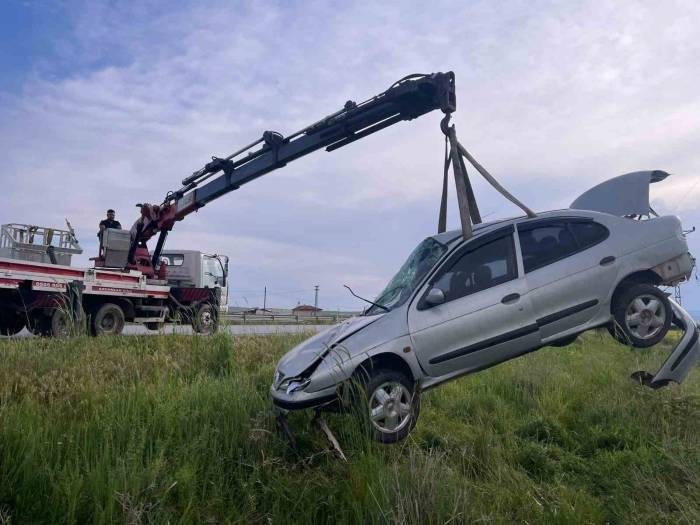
pixel 685 197
pixel 268 291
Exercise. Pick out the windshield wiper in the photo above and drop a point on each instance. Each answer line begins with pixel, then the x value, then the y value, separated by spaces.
pixel 392 289
pixel 367 300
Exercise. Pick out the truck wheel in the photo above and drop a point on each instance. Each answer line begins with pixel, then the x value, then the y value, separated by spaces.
pixel 391 404
pixel 108 320
pixel 204 321
pixel 57 324
pixel 642 316
pixel 11 322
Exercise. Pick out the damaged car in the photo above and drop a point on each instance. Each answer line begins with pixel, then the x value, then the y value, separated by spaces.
pixel 459 306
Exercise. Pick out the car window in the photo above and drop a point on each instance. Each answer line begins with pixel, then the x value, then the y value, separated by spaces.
pixel 486 266
pixel 553 241
pixel 588 233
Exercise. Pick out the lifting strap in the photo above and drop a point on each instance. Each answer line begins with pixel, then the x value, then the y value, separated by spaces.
pixel 466 201
pixel 442 219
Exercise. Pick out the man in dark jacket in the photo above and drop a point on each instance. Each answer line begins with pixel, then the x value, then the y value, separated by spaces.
pixel 108 223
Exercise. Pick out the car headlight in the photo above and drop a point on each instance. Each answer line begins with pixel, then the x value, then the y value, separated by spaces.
pixel 293 384
pixel 279 376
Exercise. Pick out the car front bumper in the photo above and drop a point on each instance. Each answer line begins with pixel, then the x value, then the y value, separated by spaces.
pixel 300 400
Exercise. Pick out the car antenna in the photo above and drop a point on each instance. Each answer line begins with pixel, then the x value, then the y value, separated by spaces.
pixel 367 300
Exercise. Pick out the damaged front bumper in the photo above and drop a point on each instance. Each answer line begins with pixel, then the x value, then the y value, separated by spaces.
pixel 300 399
pixel 683 357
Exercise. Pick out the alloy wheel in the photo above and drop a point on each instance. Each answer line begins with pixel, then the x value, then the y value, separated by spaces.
pixel 645 316
pixel 390 407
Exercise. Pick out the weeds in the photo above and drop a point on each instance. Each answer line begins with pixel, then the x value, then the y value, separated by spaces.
pixel 179 429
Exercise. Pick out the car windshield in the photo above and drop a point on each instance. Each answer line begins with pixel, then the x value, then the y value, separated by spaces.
pixel 418 264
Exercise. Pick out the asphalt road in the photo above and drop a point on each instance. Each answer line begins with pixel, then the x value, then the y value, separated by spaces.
pixel 236 329
pixel 249 329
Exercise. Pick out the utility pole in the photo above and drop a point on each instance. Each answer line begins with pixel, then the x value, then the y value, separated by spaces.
pixel 265 299
pixel 316 296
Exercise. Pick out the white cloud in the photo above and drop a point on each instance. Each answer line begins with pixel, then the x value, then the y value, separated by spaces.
pixel 552 98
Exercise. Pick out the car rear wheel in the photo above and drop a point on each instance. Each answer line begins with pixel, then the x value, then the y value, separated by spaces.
pixel 642 316
pixel 391 405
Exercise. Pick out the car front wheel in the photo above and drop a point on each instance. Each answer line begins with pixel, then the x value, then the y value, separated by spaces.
pixel 642 316
pixel 392 405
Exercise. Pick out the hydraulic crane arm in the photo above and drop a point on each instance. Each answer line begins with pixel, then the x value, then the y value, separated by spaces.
pixel 409 98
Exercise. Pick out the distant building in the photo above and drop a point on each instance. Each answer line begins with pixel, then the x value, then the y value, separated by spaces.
pixel 305 310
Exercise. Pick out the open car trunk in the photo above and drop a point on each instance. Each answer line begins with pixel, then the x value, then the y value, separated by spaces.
pixel 623 195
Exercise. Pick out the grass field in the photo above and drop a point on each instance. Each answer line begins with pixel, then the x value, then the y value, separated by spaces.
pixel 179 429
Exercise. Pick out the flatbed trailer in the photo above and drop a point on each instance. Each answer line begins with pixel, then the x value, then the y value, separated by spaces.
pixel 53 299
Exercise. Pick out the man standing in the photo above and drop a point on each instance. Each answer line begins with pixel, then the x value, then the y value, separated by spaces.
pixel 108 223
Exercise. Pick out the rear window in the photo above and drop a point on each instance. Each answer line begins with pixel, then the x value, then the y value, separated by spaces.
pixel 588 233
pixel 556 240
pixel 545 245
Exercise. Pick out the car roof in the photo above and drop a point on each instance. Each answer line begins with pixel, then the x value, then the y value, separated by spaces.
pixel 485 227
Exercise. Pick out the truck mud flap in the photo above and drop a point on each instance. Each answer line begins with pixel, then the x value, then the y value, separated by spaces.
pixel 683 357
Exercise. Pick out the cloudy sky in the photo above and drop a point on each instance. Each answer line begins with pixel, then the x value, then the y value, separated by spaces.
pixel 105 104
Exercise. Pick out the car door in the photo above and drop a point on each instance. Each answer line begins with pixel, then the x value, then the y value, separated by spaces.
pixel 486 316
pixel 569 271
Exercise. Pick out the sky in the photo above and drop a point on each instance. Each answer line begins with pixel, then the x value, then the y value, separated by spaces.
pixel 105 104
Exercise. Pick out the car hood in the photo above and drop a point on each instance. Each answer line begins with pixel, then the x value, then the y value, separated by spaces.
pixel 623 195
pixel 308 353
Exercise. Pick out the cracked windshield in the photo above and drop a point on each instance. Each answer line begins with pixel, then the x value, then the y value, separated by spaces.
pixel 418 264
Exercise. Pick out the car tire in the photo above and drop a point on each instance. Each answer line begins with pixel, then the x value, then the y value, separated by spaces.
pixel 390 404
pixel 11 322
pixel 642 316
pixel 204 321
pixel 107 320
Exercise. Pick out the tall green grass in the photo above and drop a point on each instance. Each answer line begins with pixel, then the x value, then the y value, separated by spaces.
pixel 179 429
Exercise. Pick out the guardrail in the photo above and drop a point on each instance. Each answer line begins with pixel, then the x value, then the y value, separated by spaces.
pixel 249 318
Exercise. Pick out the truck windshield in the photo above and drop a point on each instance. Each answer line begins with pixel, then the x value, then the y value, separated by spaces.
pixel 418 264
pixel 212 267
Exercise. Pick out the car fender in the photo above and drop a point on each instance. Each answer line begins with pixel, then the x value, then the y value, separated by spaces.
pixel 343 360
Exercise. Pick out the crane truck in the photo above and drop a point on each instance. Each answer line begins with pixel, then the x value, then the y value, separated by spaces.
pixel 39 287
pixel 128 282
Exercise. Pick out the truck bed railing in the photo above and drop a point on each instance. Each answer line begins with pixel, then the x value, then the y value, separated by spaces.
pixel 38 244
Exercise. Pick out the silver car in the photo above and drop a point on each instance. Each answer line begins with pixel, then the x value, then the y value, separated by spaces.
pixel 457 307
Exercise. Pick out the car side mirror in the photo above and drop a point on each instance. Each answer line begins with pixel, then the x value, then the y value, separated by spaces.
pixel 435 297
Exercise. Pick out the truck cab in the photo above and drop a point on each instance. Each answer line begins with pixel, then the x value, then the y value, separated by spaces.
pixel 194 269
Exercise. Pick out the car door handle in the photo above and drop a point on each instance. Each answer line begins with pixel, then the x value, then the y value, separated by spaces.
pixel 607 260
pixel 510 298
